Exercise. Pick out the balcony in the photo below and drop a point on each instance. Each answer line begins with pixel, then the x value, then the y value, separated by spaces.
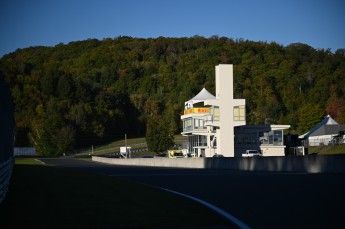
pixel 196 110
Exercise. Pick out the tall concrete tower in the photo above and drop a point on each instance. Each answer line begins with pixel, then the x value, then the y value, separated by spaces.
pixel 231 111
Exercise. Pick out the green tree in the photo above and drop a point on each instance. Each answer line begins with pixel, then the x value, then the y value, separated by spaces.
pixel 51 138
pixel 158 135
pixel 102 89
pixel 64 87
pixel 308 116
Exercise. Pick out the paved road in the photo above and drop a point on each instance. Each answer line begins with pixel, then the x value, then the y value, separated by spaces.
pixel 259 199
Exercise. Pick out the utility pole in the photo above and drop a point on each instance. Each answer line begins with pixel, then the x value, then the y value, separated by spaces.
pixel 126 145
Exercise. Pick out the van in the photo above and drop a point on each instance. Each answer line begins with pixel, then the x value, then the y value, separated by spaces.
pixel 251 153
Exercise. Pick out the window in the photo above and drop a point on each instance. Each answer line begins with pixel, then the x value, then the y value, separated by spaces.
pixel 278 137
pixel 187 124
pixel 239 113
pixel 202 140
pixel 271 138
pixel 199 124
pixel 196 123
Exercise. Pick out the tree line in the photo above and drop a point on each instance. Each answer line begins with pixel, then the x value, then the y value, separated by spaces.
pixel 93 91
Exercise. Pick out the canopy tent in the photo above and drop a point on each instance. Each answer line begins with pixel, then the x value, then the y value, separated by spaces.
pixel 200 97
pixel 327 121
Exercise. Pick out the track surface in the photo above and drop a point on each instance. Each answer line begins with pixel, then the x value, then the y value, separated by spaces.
pixel 259 199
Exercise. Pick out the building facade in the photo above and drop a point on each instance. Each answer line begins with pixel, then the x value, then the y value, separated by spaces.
pixel 327 132
pixel 211 122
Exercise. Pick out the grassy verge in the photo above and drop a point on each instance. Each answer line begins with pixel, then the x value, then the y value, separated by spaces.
pixel 50 197
pixel 338 149
pixel 135 143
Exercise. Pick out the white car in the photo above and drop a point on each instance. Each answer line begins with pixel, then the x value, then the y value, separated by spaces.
pixel 251 153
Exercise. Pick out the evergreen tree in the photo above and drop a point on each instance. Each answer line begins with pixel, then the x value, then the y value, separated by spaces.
pixel 159 138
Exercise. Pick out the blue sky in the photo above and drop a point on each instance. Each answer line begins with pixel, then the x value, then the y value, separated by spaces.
pixel 318 23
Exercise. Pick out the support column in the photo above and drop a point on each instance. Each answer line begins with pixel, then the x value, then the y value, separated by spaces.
pixel 224 92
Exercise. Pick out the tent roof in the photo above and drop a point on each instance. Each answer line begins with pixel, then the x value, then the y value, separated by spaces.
pixel 327 121
pixel 201 96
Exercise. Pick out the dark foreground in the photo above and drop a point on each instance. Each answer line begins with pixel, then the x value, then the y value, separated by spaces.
pixel 259 199
pixel 53 197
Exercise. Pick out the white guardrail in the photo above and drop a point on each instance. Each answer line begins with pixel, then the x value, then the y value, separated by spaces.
pixel 6 168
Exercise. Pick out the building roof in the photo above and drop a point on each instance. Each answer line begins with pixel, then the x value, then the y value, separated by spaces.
pixel 325 127
pixel 201 96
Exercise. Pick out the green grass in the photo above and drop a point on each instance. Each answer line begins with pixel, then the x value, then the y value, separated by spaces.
pixel 28 161
pixel 42 196
pixel 132 142
pixel 338 149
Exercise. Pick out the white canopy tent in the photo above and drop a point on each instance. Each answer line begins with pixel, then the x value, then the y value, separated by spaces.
pixel 327 121
pixel 323 132
pixel 200 97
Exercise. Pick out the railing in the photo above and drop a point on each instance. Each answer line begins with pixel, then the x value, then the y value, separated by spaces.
pixel 110 149
pixel 6 168
pixel 194 128
pixel 196 110
pixel 331 141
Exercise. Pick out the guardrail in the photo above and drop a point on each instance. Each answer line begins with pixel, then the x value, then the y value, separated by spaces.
pixel 304 164
pixel 6 168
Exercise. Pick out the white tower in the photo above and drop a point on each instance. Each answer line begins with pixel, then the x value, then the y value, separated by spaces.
pixel 231 111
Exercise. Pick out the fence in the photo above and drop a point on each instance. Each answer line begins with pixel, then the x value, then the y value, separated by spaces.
pixel 24 152
pixel 330 140
pixel 6 137
pixel 137 147
pixel 6 168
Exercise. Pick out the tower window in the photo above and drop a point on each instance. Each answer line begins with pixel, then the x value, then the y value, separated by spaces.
pixel 239 113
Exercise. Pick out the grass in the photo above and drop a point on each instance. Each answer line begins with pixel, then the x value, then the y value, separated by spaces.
pixel 135 143
pixel 42 196
pixel 338 149
pixel 27 161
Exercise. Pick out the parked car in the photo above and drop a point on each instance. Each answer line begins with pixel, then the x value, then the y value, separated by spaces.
pixel 218 155
pixel 175 154
pixel 161 155
pixel 251 153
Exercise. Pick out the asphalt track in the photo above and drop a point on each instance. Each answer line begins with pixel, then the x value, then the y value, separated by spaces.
pixel 259 199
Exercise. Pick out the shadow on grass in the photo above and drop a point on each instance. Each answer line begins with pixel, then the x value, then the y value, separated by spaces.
pixel 49 197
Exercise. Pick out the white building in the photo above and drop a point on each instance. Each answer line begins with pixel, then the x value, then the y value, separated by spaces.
pixel 324 132
pixel 269 139
pixel 209 122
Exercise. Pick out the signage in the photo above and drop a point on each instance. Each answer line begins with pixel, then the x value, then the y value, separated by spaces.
pixel 197 110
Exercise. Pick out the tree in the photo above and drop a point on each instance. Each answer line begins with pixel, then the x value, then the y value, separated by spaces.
pixel 158 136
pixel 308 116
pixel 51 138
pixel 64 87
pixel 63 139
pixel 336 108
pixel 102 89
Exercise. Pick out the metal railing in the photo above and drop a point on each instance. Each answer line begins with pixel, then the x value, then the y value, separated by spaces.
pixel 109 149
pixel 6 168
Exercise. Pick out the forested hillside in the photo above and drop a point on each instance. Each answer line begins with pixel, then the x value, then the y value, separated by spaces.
pixel 87 92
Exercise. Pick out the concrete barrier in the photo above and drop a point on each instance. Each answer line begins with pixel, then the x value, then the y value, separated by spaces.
pixel 154 162
pixel 309 164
